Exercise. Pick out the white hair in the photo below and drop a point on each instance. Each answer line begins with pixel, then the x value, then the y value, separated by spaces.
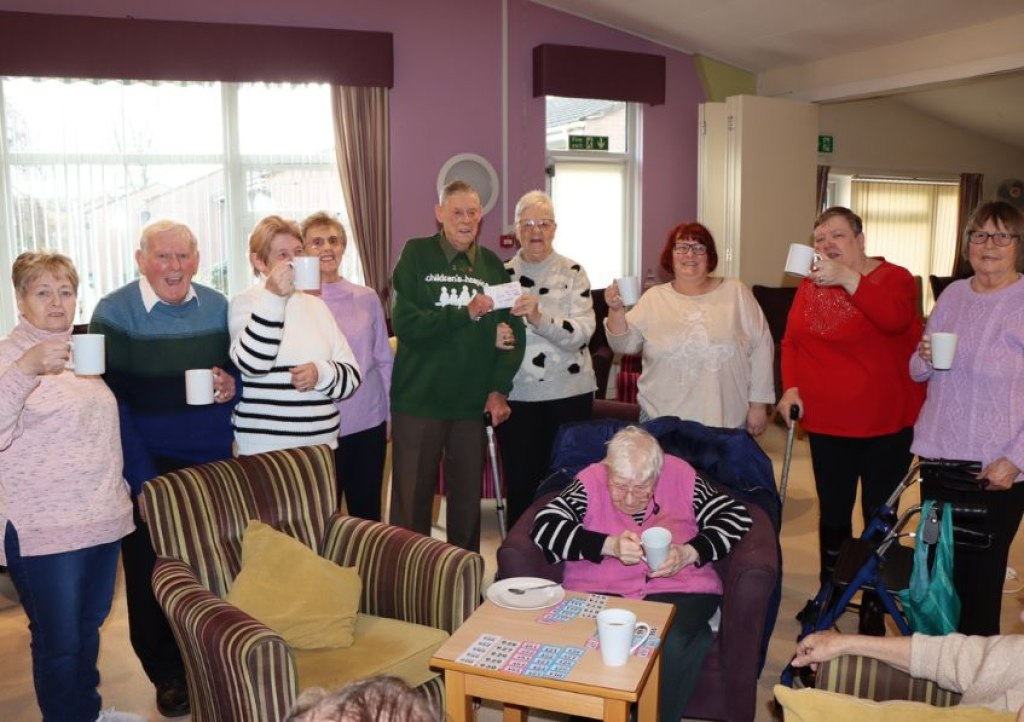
pixel 635 455
pixel 534 198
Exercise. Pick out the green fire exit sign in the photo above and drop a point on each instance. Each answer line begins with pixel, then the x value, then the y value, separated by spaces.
pixel 826 144
pixel 588 142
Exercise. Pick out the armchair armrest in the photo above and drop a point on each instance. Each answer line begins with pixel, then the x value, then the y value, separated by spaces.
pixel 869 678
pixel 406 576
pixel 224 649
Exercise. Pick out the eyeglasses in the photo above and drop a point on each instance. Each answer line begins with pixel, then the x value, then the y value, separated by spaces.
pixel 639 492
pixel 320 242
pixel 545 224
pixel 698 249
pixel 1000 238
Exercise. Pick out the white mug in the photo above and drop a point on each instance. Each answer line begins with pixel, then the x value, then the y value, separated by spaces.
pixel 199 387
pixel 307 272
pixel 629 289
pixel 656 541
pixel 88 354
pixel 615 632
pixel 943 350
pixel 800 259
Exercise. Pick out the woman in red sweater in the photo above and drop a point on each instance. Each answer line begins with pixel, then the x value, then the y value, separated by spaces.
pixel 850 334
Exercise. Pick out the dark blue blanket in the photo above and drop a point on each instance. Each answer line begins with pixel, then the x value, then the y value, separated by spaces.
pixel 728 458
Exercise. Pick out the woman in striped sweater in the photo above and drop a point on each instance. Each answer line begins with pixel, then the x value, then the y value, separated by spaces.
pixel 595 526
pixel 295 361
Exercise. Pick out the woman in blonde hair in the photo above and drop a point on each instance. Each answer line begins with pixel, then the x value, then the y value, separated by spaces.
pixel 295 361
pixel 64 504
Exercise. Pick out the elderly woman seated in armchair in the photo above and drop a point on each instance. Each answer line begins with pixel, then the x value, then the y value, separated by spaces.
pixel 595 524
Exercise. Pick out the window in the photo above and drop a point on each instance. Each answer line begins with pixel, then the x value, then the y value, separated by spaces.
pixel 593 182
pixel 912 223
pixel 86 164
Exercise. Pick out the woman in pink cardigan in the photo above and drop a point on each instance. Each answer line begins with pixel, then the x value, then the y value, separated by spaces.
pixel 595 524
pixel 63 501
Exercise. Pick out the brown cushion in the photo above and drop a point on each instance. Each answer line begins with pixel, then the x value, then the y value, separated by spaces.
pixel 382 646
pixel 310 601
pixel 813 705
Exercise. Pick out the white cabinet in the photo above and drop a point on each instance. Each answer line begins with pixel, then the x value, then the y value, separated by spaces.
pixel 757 168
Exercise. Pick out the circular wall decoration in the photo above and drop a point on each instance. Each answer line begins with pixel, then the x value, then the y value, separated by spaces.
pixel 1011 190
pixel 475 170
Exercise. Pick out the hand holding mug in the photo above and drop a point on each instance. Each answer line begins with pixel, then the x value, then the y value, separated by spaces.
pixel 826 272
pixel 223 386
pixel 679 556
pixel 45 358
pixel 613 298
pixel 924 348
pixel 626 547
pixel 281 279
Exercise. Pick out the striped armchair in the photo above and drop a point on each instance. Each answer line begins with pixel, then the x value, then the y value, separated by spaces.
pixel 237 668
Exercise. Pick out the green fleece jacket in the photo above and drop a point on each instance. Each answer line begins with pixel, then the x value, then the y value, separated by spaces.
pixel 447 363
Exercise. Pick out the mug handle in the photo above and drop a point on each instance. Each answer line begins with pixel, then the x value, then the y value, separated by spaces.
pixel 643 637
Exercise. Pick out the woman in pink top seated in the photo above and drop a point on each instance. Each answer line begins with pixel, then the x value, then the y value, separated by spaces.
pixel 362 434
pixel 595 524
pixel 63 501
pixel 975 409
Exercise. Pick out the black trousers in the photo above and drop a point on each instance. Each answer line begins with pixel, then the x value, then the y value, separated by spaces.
pixel 527 438
pixel 879 463
pixel 359 459
pixel 148 629
pixel 979 574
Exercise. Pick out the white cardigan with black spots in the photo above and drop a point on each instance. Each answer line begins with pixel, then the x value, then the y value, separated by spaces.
pixel 556 364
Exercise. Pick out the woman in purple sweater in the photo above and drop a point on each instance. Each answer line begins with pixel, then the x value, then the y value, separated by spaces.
pixel 63 501
pixel 362 435
pixel 975 410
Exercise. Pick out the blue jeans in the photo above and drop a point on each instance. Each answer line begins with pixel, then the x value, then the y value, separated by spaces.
pixel 66 597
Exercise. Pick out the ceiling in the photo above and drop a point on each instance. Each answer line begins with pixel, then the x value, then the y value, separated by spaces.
pixel 760 36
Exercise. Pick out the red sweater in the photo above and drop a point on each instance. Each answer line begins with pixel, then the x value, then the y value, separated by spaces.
pixel 849 355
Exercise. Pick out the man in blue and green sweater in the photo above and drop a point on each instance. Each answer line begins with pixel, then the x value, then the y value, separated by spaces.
pixel 155 329
pixel 448 370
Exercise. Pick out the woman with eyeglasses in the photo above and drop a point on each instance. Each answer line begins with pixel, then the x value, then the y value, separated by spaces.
pixel 555 382
pixel 975 409
pixel 707 350
pixel 850 333
pixel 363 434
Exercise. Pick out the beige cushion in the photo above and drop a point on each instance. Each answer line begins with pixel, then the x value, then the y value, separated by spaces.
pixel 813 705
pixel 382 646
pixel 310 601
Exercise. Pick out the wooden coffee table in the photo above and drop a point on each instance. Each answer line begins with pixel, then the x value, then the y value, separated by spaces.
pixel 591 689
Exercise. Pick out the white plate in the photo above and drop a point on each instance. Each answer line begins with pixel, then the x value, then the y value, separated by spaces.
pixel 534 599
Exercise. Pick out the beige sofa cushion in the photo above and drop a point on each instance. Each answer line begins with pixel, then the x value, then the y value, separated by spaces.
pixel 382 646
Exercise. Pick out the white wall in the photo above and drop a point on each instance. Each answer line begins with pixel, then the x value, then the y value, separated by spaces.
pixel 884 136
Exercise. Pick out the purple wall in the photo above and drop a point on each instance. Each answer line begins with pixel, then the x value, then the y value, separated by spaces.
pixel 447 93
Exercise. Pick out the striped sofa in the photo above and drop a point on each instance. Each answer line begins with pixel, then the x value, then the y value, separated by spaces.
pixel 238 669
pixel 871 679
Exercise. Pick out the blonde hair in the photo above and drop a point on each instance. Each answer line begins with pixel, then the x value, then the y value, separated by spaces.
pixel 30 265
pixel 264 233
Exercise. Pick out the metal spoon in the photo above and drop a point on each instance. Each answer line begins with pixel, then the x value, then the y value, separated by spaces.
pixel 524 590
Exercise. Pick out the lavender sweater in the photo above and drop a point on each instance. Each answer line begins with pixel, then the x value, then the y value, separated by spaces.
pixel 61 484
pixel 361 318
pixel 975 410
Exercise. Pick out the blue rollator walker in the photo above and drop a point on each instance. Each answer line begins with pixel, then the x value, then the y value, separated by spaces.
pixel 876 560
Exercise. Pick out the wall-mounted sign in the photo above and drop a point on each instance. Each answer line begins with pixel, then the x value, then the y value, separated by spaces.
pixel 588 142
pixel 826 144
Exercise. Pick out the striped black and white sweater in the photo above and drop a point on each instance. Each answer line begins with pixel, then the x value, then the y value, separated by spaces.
pixel 269 335
pixel 558 527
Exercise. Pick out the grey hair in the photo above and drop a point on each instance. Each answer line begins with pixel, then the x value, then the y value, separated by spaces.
pixel 164 226
pixel 534 198
pixel 456 186
pixel 635 455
